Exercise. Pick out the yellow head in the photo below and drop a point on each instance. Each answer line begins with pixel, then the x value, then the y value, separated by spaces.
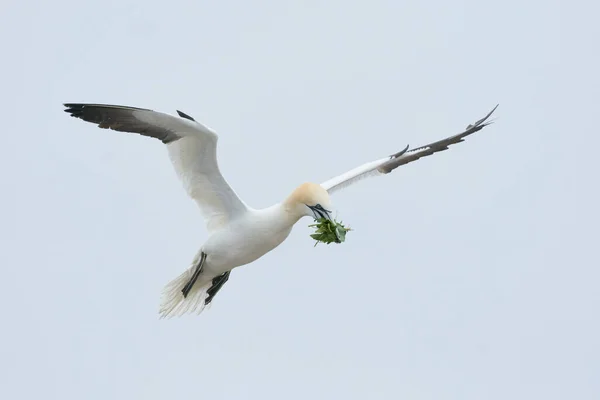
pixel 309 200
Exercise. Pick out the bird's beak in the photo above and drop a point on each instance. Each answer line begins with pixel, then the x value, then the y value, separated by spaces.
pixel 321 213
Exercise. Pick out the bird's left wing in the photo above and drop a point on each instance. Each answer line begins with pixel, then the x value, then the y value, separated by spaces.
pixel 388 164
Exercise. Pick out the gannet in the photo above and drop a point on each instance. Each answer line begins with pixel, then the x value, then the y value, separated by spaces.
pixel 237 233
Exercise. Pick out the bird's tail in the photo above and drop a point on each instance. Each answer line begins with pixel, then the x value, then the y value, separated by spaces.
pixel 174 304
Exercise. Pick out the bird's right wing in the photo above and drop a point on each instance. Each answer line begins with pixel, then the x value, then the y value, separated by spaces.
pixel 192 148
pixel 388 164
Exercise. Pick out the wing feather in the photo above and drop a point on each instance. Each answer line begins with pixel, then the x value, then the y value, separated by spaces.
pixel 192 148
pixel 388 164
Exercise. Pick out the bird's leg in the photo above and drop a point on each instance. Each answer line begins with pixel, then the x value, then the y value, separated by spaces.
pixel 199 267
pixel 217 284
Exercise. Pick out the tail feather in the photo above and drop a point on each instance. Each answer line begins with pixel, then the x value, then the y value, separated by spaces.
pixel 174 304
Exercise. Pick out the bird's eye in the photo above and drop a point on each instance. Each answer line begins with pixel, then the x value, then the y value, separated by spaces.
pixel 319 207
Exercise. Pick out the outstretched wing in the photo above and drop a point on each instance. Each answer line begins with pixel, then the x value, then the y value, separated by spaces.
pixel 390 163
pixel 192 148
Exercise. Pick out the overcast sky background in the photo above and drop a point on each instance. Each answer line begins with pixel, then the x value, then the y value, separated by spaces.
pixel 472 274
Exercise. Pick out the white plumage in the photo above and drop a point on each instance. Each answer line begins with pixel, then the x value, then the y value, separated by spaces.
pixel 238 234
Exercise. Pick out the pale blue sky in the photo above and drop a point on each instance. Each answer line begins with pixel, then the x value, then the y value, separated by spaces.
pixel 472 274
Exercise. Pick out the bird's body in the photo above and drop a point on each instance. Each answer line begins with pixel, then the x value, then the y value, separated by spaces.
pixel 239 242
pixel 238 233
pixel 247 238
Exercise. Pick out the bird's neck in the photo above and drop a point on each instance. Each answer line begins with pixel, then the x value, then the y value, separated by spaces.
pixel 287 213
pixel 281 214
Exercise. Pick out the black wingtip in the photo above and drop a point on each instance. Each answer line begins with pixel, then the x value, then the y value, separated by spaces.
pixel 75 109
pixel 490 113
pixel 184 115
pixel 478 125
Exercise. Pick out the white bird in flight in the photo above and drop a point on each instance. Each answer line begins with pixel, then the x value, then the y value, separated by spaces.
pixel 238 233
